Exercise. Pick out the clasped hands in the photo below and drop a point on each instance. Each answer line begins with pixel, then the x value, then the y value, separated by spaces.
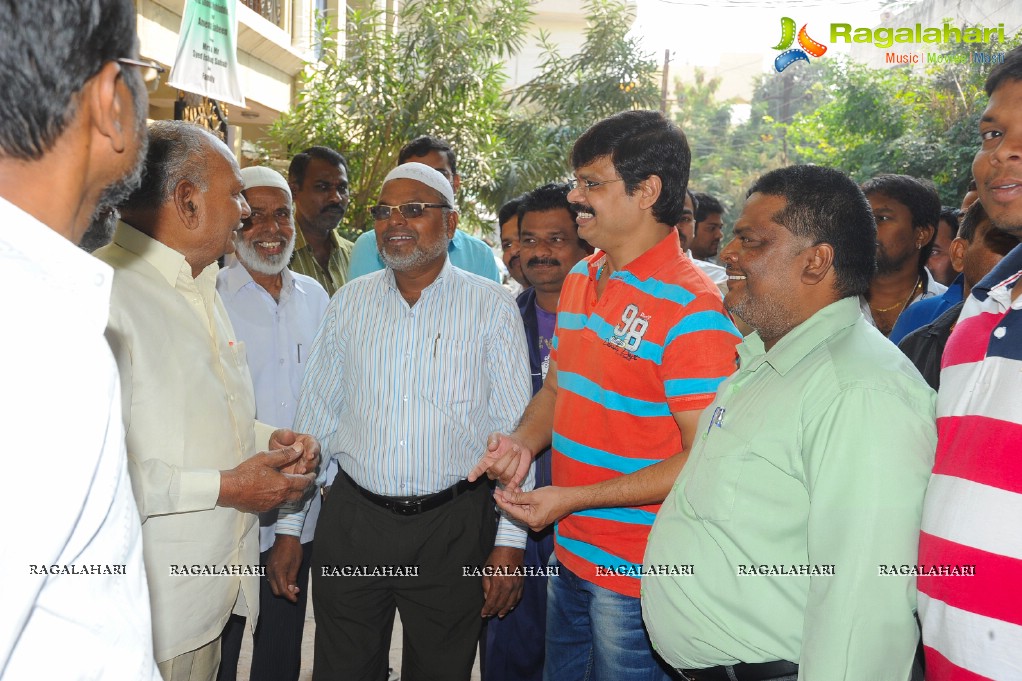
pixel 269 479
pixel 507 460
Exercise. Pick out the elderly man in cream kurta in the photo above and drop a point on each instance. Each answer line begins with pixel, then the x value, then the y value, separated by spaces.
pixel 188 403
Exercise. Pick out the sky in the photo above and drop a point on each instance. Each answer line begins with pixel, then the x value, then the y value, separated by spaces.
pixel 698 31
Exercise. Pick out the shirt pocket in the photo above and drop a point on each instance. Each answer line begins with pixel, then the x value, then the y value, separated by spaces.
pixel 238 354
pixel 712 486
pixel 455 372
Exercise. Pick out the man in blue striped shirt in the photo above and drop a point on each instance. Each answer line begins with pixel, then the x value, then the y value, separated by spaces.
pixel 413 366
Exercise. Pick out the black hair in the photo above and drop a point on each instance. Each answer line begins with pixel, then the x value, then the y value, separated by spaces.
pixel 950 215
pixel 550 197
pixel 1009 69
pixel 826 206
pixel 995 238
pixel 300 163
pixel 919 196
pixel 695 204
pixel 48 52
pixel 422 145
pixel 509 210
pixel 641 143
pixel 706 206
pixel 971 219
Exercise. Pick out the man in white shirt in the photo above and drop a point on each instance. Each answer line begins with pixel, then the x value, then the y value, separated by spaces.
pixel 72 131
pixel 189 409
pixel 275 312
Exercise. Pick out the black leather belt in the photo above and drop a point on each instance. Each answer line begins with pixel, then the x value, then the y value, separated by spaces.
pixel 412 505
pixel 743 671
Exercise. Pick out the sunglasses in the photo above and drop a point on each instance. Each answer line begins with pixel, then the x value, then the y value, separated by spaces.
pixel 408 210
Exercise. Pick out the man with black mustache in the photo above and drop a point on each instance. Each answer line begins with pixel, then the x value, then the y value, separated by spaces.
pixel 319 183
pixel 549 248
pixel 787 506
pixel 641 343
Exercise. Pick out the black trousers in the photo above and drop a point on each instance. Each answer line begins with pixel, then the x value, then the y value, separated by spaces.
pixel 277 646
pixel 440 605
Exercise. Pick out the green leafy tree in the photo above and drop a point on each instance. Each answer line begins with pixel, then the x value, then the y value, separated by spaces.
pixel 440 73
pixel 610 73
pixel 921 122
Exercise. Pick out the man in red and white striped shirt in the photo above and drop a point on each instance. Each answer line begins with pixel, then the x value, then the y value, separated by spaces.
pixel 972 625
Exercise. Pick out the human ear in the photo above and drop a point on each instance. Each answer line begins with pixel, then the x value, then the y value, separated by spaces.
pixel 819 260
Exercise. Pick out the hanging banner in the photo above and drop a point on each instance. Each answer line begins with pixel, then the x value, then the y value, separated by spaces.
pixel 207 51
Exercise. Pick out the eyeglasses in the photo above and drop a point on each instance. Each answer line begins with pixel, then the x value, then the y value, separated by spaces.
pixel 150 71
pixel 585 185
pixel 408 210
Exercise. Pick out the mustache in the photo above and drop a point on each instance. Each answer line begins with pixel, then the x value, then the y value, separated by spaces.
pixel 583 208
pixel 335 208
pixel 534 262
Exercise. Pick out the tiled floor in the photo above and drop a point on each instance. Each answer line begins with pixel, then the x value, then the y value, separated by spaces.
pixel 245 661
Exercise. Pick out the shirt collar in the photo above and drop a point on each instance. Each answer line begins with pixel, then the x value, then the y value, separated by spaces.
pixel 301 243
pixel 168 262
pixel 1003 275
pixel 647 264
pixel 237 277
pixel 796 345
pixel 388 277
pixel 457 241
pixel 86 279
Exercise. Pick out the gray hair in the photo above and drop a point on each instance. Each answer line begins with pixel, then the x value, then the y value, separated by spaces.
pixel 177 152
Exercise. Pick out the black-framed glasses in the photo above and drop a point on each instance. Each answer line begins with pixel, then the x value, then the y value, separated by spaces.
pixel 149 70
pixel 585 185
pixel 408 210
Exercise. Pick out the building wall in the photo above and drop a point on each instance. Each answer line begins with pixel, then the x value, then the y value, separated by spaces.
pixel 270 56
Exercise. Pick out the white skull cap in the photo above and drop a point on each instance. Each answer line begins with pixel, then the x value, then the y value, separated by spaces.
pixel 261 176
pixel 430 177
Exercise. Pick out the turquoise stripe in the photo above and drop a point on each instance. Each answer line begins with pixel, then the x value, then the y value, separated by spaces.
pixel 571 321
pixel 647 350
pixel 597 556
pixel 583 387
pixel 681 387
pixel 656 288
pixel 599 458
pixel 707 320
pixel 632 516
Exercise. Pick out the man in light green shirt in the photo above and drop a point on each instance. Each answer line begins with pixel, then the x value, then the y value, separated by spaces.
pixel 783 549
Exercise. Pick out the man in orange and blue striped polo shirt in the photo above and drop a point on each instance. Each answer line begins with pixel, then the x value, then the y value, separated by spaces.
pixel 641 343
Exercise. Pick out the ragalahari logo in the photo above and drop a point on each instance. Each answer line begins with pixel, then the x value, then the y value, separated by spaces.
pixel 808 45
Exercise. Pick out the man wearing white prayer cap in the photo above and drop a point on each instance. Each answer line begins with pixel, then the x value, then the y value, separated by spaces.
pixel 413 367
pixel 275 313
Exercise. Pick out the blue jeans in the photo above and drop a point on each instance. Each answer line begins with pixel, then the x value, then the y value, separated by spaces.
pixel 594 634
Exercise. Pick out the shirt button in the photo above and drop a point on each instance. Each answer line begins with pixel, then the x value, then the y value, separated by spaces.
pixel 282 361
pixel 283 404
pixel 1000 332
pixel 231 397
pixel 402 443
pixel 406 398
pixel 99 280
